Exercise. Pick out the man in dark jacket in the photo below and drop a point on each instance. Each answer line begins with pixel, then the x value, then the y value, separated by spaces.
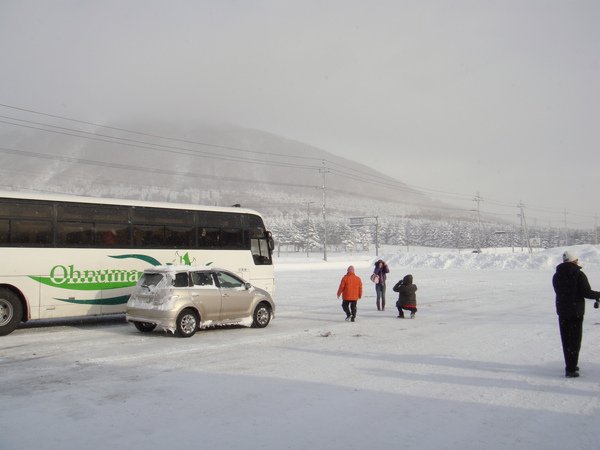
pixel 572 288
pixel 408 296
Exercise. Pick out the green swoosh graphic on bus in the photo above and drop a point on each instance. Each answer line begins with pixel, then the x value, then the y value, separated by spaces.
pixel 99 286
pixel 146 258
pixel 99 301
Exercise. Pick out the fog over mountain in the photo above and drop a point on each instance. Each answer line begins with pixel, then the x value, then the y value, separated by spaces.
pixel 199 163
pixel 287 181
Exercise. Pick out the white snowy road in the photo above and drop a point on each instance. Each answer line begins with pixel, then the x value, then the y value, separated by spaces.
pixel 480 367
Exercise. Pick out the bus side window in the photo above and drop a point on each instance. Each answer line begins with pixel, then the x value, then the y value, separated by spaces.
pixel 179 237
pixel 232 238
pixel 112 235
pixel 4 228
pixel 209 238
pixel 149 236
pixel 34 232
pixel 74 233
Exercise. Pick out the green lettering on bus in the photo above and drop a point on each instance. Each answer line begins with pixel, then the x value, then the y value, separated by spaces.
pixel 74 278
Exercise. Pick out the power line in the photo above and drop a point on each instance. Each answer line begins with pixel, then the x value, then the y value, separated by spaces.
pixel 111 183
pixel 355 174
pixel 183 151
pixel 137 168
pixel 142 133
pixel 199 175
pixel 178 150
pixel 151 146
pixel 396 184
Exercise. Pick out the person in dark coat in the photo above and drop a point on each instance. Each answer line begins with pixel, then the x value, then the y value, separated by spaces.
pixel 379 276
pixel 407 298
pixel 572 288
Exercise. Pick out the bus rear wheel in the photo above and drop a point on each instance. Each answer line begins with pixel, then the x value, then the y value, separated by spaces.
pixel 11 311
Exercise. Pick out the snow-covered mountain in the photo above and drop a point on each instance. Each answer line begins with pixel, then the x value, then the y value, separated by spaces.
pixel 206 164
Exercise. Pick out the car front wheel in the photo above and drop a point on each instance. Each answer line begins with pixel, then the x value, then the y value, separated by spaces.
pixel 262 315
pixel 187 323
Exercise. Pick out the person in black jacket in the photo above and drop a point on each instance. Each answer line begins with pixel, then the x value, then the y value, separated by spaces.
pixel 572 288
pixel 407 298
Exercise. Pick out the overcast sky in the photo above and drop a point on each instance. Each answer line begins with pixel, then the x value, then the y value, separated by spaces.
pixel 496 97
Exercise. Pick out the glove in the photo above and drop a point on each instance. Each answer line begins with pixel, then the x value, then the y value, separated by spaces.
pixel 596 304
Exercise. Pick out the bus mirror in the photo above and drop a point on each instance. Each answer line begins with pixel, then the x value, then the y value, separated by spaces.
pixel 270 241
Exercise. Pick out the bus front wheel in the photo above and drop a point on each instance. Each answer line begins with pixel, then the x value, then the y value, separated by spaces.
pixel 11 311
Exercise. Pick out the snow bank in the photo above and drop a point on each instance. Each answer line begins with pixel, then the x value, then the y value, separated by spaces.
pixel 420 258
pixel 589 256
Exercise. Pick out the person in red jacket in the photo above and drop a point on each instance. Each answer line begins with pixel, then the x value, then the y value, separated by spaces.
pixel 351 291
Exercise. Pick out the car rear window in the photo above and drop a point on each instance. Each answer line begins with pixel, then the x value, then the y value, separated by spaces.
pixel 151 279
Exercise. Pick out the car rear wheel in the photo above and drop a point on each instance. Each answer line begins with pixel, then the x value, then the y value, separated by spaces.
pixel 145 327
pixel 262 315
pixel 187 323
pixel 11 311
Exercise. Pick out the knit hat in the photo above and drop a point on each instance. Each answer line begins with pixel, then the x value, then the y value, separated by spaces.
pixel 570 257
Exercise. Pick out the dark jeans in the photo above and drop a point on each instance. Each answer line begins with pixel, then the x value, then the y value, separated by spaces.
pixel 380 291
pixel 349 308
pixel 571 331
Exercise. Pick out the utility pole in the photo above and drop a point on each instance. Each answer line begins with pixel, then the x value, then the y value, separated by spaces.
pixel 513 238
pixel 521 206
pixel 324 171
pixel 478 200
pixel 308 228
pixel 376 236
pixel 520 216
pixel 565 227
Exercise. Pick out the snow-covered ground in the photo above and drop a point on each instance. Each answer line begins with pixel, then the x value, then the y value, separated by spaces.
pixel 480 367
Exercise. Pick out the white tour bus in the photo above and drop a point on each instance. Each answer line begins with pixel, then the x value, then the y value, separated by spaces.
pixel 67 256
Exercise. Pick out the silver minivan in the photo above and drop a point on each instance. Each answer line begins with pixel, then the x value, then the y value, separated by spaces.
pixel 182 299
